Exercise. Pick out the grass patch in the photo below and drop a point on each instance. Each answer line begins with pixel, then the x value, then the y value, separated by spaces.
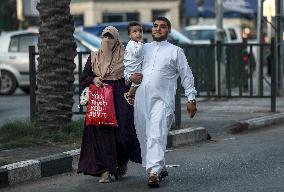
pixel 4 162
pixel 26 134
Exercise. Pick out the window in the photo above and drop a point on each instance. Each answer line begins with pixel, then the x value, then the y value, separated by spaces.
pixel 159 13
pixel 21 43
pixel 85 37
pixel 14 44
pixel 206 34
pixel 78 20
pixel 132 16
pixel 26 41
pixel 120 17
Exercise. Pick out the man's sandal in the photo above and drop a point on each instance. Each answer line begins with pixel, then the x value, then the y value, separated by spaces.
pixel 154 180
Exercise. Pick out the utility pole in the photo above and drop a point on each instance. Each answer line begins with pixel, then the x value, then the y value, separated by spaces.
pixel 258 69
pixel 279 65
pixel 219 36
pixel 220 80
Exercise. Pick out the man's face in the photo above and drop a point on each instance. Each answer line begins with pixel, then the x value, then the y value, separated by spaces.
pixel 160 30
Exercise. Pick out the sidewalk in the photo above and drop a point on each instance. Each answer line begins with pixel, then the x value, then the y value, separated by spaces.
pixel 215 116
pixel 218 115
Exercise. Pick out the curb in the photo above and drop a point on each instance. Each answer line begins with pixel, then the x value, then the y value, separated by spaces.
pixel 256 123
pixel 34 169
pixel 186 136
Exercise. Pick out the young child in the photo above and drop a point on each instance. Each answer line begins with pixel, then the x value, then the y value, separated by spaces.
pixel 133 57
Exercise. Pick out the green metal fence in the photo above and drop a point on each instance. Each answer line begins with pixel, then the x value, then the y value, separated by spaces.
pixel 238 62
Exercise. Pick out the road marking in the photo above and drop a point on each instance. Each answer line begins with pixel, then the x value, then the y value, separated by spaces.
pixel 170 166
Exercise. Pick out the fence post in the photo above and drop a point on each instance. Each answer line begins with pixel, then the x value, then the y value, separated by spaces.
pixel 80 77
pixel 32 74
pixel 273 76
pixel 218 67
pixel 177 106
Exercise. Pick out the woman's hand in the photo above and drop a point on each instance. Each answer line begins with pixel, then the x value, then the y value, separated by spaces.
pixel 136 78
pixel 98 81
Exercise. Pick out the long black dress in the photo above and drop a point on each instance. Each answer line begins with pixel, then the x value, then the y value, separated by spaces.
pixel 104 147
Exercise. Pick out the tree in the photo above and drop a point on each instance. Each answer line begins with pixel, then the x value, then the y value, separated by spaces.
pixel 57 50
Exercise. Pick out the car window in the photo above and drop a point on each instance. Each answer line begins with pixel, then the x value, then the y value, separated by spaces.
pixel 88 38
pixel 200 34
pixel 14 44
pixel 147 35
pixel 233 34
pixel 123 35
pixel 21 43
pixel 26 41
pixel 178 37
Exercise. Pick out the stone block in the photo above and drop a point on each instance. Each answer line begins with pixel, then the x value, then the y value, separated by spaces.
pixel 55 164
pixel 23 171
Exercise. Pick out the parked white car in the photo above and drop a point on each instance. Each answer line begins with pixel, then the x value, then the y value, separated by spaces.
pixel 14 56
pixel 203 34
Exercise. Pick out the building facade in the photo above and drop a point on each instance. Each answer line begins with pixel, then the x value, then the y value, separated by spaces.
pixel 91 12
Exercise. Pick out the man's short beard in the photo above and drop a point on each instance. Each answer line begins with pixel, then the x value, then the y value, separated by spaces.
pixel 160 38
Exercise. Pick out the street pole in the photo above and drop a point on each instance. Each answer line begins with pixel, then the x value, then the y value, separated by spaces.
pixel 220 80
pixel 258 70
pixel 219 21
pixel 279 65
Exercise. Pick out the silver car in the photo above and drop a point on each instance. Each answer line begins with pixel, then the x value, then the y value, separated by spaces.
pixel 14 56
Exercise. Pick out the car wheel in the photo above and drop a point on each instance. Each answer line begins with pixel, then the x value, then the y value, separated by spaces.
pixel 8 83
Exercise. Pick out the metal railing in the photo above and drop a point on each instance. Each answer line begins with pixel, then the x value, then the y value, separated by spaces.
pixel 205 62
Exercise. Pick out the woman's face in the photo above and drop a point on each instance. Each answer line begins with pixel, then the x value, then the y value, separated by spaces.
pixel 108 42
pixel 108 36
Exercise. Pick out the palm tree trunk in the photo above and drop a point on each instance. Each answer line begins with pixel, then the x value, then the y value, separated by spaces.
pixel 57 50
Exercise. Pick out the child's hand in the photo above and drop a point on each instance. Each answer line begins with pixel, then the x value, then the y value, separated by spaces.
pixel 136 78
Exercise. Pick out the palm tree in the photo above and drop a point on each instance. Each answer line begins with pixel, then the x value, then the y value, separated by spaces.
pixel 57 50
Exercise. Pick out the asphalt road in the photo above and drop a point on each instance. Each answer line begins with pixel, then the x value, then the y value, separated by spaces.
pixel 14 107
pixel 17 107
pixel 251 162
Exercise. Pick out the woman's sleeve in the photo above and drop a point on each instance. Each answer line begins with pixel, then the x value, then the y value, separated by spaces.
pixel 88 75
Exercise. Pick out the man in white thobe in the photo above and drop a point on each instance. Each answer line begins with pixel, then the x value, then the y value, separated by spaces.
pixel 155 98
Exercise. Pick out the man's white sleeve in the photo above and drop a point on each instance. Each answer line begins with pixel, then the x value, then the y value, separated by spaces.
pixel 185 73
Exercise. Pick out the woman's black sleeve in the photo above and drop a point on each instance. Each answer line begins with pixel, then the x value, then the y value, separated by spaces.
pixel 88 75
